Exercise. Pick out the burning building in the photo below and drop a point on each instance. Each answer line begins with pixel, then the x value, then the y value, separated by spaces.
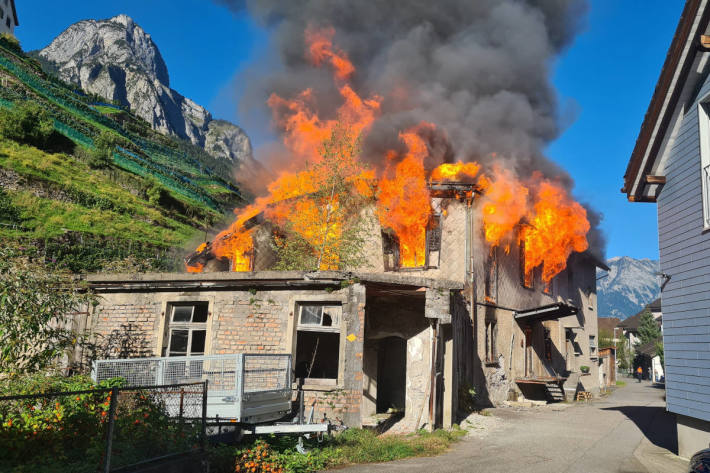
pixel 439 250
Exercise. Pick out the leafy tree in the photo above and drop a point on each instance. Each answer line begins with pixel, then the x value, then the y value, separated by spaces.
pixel 649 331
pixel 26 122
pixel 660 353
pixel 36 303
pixel 606 339
pixel 325 229
pixel 624 354
pixel 102 154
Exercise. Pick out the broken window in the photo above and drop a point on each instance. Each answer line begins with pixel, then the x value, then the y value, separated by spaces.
pixel 491 334
pixel 592 346
pixel 390 250
pixel 391 247
pixel 491 282
pixel 187 329
pixel 526 276
pixel 318 342
pixel 433 241
pixel 547 287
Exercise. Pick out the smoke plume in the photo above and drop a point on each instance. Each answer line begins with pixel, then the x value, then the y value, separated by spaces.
pixel 478 69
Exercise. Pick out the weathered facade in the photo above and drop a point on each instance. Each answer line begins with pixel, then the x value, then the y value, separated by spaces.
pixel 362 343
pixel 409 341
pixel 670 165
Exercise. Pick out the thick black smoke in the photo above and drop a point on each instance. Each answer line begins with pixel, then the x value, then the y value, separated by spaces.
pixel 478 69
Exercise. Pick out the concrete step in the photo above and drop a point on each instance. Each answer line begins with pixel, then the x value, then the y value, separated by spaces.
pixel 554 392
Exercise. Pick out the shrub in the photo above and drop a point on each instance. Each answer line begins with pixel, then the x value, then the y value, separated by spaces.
pixel 8 212
pixel 26 122
pixel 68 433
pixel 10 42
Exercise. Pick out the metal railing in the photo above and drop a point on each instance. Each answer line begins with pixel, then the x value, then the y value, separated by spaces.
pixel 246 387
pixel 108 430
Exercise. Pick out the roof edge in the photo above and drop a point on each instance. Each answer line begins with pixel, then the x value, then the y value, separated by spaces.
pixel 656 112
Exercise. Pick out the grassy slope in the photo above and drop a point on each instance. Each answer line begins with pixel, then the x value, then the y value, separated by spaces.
pixel 85 217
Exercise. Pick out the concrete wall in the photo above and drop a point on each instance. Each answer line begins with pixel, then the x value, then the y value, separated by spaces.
pixel 452 261
pixel 693 435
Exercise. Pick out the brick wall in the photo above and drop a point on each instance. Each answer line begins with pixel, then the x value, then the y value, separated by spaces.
pixel 240 321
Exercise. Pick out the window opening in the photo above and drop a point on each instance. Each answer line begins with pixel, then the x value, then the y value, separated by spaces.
pixel 491 281
pixel 491 335
pixel 318 342
pixel 526 277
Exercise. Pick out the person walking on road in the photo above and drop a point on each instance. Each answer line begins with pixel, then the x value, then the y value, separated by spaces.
pixel 639 373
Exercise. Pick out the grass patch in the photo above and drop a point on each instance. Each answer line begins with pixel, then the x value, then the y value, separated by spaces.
pixel 621 383
pixel 353 446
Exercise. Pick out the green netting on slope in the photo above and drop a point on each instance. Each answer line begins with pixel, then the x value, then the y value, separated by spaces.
pixel 74 135
pixel 54 93
pixel 131 165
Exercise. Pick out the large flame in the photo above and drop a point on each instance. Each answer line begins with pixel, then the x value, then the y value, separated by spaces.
pixel 455 171
pixel 503 205
pixel 404 202
pixel 537 212
pixel 557 227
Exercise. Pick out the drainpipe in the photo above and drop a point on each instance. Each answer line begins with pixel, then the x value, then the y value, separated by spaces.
pixel 432 383
pixel 470 278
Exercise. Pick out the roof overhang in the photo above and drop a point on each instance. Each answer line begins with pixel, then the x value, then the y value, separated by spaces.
pixel 684 66
pixel 213 281
pixel 546 312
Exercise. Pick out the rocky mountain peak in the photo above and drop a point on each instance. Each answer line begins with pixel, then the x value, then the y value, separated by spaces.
pixel 117 41
pixel 118 60
pixel 627 287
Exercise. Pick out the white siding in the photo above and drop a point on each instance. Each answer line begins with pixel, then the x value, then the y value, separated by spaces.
pixel 685 255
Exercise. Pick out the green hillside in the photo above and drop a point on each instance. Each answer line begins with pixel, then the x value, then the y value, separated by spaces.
pixel 144 200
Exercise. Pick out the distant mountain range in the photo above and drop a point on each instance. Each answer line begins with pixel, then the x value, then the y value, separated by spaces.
pixel 628 287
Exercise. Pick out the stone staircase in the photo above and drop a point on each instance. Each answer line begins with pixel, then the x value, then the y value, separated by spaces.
pixel 554 391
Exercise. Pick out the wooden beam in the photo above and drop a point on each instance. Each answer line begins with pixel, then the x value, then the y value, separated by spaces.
pixel 655 179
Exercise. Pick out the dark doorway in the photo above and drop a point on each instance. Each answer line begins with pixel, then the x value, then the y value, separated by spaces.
pixel 391 374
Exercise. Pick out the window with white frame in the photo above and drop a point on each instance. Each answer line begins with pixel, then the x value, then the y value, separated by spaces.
pixel 704 129
pixel 317 351
pixel 186 331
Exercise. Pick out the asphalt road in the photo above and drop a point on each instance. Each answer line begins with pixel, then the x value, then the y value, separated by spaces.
pixel 627 431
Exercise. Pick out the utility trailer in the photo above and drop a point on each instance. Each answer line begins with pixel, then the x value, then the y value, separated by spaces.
pixel 246 389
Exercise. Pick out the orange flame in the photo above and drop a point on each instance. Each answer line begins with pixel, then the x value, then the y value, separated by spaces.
pixel 558 226
pixel 455 171
pixel 404 203
pixel 553 225
pixel 320 48
pixel 503 205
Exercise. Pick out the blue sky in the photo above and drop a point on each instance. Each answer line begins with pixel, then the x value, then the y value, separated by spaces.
pixel 604 80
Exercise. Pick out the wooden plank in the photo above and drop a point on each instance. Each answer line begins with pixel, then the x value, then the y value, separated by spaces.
pixel 655 179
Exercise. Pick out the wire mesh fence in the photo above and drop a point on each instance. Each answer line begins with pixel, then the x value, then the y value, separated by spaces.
pixel 107 430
